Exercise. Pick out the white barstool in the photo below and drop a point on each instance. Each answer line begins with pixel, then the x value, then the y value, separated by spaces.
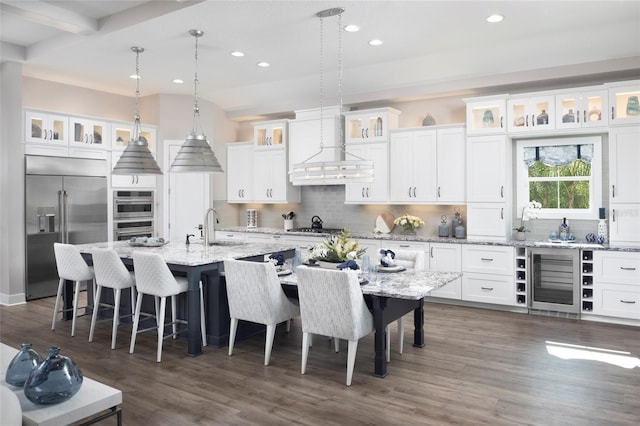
pixel 111 273
pixel 153 277
pixel 72 267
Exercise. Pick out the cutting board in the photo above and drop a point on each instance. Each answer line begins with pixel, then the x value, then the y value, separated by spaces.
pixel 384 223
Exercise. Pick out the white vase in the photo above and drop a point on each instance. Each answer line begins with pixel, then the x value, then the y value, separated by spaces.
pixel 288 224
pixel 521 235
pixel 328 265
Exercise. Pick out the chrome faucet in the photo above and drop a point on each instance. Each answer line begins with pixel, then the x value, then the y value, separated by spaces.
pixel 207 229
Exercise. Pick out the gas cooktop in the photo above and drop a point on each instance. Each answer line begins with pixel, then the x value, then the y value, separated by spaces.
pixel 317 230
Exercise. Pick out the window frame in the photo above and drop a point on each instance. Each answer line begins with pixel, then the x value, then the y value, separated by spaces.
pixel 595 193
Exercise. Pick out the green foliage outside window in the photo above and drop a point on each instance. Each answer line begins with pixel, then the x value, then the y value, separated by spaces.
pixel 560 187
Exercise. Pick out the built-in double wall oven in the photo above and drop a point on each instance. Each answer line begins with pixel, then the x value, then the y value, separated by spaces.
pixel 133 213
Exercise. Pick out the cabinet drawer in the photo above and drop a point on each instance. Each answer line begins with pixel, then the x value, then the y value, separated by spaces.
pixel 616 300
pixel 230 236
pixel 617 267
pixel 488 259
pixel 487 288
pixel 452 290
pixel 404 245
pixel 265 238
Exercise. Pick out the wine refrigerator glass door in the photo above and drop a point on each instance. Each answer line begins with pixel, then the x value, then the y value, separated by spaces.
pixel 555 280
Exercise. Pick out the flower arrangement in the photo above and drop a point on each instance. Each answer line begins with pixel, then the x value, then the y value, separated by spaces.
pixel 529 211
pixel 337 248
pixel 408 222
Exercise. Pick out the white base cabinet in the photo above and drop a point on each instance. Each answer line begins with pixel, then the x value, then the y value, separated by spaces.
pixel 616 284
pixel 444 257
pixel 488 274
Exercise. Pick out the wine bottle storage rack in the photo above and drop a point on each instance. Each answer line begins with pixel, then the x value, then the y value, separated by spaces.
pixel 521 273
pixel 586 280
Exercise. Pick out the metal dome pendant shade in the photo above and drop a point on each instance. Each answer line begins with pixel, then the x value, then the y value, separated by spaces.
pixel 195 154
pixel 136 158
pixel 343 171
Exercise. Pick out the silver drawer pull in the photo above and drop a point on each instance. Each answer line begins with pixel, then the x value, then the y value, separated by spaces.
pixel 628 301
pixel 405 245
pixel 487 288
pixel 486 259
pixel 627 269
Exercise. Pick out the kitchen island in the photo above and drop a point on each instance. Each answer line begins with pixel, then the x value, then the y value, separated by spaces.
pixel 198 263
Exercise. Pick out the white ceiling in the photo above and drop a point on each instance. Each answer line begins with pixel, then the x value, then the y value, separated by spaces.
pixel 431 48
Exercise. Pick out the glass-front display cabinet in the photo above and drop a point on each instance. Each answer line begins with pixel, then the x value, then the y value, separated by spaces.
pixel 268 134
pixel 582 109
pixel 486 115
pixel 44 127
pixel 529 114
pixel 624 103
pixel 370 125
pixel 121 135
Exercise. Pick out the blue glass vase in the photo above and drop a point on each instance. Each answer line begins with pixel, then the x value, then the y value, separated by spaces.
pixel 21 365
pixel 55 380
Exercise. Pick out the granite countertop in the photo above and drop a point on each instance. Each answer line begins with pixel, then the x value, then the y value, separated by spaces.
pixel 409 284
pixel 578 244
pixel 194 254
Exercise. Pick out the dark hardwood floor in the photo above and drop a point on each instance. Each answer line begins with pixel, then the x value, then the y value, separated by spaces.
pixel 479 367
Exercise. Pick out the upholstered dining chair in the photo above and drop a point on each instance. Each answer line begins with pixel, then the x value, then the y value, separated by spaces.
pixel 411 259
pixel 153 277
pixel 255 294
pixel 332 304
pixel 72 267
pixel 111 273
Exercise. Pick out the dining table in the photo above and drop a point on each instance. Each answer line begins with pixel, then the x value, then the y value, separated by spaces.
pixel 390 296
pixel 200 263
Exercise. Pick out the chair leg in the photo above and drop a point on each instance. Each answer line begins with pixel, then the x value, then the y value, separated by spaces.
pixel 203 321
pixel 94 317
pixel 336 344
pixel 57 306
pixel 174 313
pixel 163 307
pixel 401 333
pixel 136 320
pixel 387 331
pixel 351 359
pixel 116 316
pixel 75 308
pixel 268 343
pixel 232 334
pixel 306 342
pixel 288 325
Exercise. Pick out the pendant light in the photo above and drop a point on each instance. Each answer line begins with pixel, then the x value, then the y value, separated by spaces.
pixel 196 154
pixel 136 158
pixel 345 170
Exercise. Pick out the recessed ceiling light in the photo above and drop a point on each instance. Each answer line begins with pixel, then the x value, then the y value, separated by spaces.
pixel 375 42
pixel 352 28
pixel 237 53
pixel 177 81
pixel 134 76
pixel 495 18
pixel 264 64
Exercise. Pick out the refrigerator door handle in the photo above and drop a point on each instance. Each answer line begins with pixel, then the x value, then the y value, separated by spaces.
pixel 65 217
pixel 61 219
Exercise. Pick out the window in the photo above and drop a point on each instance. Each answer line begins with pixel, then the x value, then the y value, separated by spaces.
pixel 563 174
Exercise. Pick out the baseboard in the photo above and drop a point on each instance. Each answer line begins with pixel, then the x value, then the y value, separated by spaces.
pixel 12 299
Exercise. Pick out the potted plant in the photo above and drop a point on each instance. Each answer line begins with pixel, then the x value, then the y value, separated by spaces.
pixel 336 249
pixel 529 211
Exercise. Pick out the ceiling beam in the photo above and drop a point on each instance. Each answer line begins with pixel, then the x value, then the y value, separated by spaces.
pixel 51 16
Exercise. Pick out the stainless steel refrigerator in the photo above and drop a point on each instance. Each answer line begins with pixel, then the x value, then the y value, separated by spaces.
pixel 65 201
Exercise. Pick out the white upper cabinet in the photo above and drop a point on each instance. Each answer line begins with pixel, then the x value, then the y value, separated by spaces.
pixel 486 115
pixel 451 165
pixel 377 191
pixel 267 134
pixel 486 170
pixel 46 127
pixel 130 181
pixel 624 164
pixel 529 114
pixel 370 125
pixel 239 172
pixel 413 166
pixel 121 135
pixel 624 102
pixel 88 132
pixel 580 109
pixel 271 180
